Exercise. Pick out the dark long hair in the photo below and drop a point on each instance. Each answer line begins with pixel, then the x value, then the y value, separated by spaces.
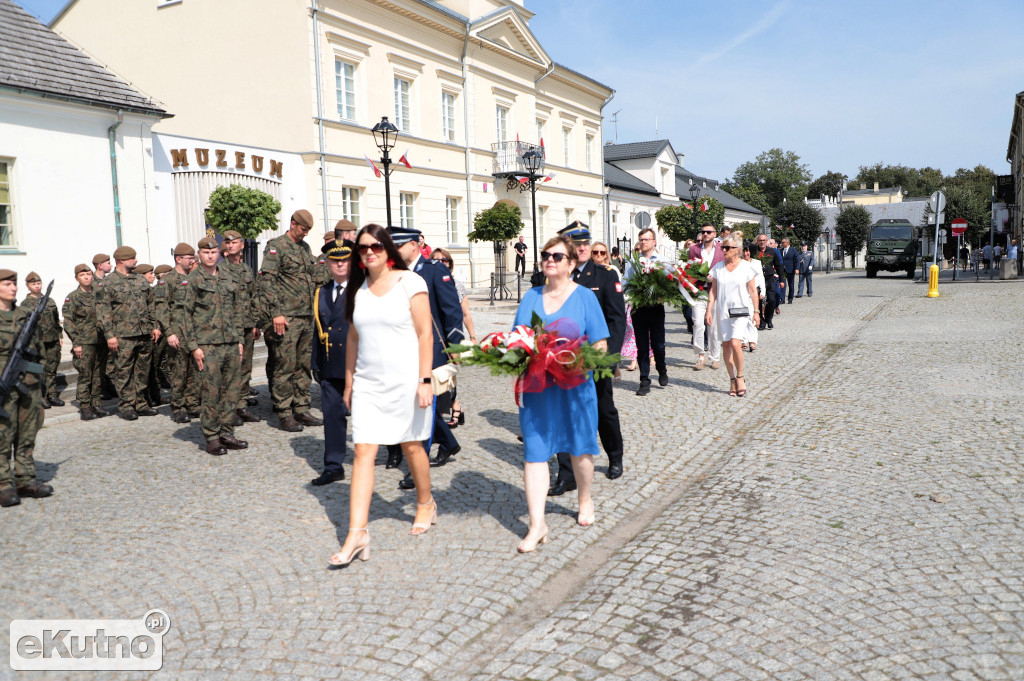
pixel 357 275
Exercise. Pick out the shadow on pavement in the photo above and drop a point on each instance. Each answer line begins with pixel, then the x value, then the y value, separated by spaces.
pixel 45 471
pixel 509 420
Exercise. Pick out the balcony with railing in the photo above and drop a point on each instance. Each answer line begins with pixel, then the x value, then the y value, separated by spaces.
pixel 510 158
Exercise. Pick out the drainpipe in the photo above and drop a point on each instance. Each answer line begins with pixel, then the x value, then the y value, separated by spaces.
pixel 607 197
pixel 320 113
pixel 112 138
pixel 465 132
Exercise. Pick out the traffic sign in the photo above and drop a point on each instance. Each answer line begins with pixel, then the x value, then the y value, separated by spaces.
pixel 937 202
pixel 959 226
pixel 642 219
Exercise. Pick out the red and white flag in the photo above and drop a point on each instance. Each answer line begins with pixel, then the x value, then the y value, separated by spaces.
pixel 376 170
pixel 548 177
pixel 541 142
pixel 687 205
pixel 705 207
pixel 404 160
pixel 524 180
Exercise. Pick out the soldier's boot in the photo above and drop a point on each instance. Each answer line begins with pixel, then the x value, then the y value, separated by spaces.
pixel 180 417
pixel 251 401
pixel 215 447
pixel 87 414
pixel 247 416
pixel 231 442
pixel 129 415
pixel 146 411
pixel 307 419
pixel 289 424
pixel 55 401
pixel 35 490
pixel 235 420
pixel 9 497
pixel 46 403
pixel 99 411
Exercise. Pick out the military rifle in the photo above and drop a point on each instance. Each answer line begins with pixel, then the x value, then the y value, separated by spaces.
pixel 19 363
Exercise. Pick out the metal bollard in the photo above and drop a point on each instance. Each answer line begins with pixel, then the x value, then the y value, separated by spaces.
pixel 933 281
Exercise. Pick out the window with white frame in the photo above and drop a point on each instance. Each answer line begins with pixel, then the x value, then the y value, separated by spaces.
pixel 664 181
pixel 448 116
pixel 590 152
pixel 566 145
pixel 350 204
pixel 345 85
pixel 591 216
pixel 6 203
pixel 568 216
pixel 452 219
pixel 501 117
pixel 540 129
pixel 402 110
pixel 406 205
pixel 542 220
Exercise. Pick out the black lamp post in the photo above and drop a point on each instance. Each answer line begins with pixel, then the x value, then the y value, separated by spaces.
pixel 695 190
pixel 385 134
pixel 533 162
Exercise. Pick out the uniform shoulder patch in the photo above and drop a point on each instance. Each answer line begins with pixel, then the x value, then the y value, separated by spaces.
pixel 272 251
pixel 446 278
pixel 184 282
pixel 68 299
pixel 618 287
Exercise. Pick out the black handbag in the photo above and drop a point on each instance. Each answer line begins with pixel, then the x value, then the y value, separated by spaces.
pixel 739 312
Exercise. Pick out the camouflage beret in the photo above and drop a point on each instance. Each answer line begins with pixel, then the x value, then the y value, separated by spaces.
pixel 231 235
pixel 100 258
pixel 303 217
pixel 208 242
pixel 32 276
pixel 6 275
pixel 124 253
pixel 82 268
pixel 143 268
pixel 162 269
pixel 184 249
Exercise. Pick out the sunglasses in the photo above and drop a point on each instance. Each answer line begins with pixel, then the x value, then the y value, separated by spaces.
pixel 707 231
pixel 728 248
pixel 447 260
pixel 596 252
pixel 557 257
pixel 376 247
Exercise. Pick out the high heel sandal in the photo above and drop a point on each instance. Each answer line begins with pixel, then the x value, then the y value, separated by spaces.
pixel 458 418
pixel 732 390
pixel 632 366
pixel 362 551
pixel 740 393
pixel 423 527
pixel 589 520
pixel 526 547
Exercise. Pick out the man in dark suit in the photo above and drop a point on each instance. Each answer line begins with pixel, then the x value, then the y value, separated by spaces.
pixel 446 313
pixel 773 273
pixel 328 362
pixel 605 284
pixel 806 269
pixel 790 259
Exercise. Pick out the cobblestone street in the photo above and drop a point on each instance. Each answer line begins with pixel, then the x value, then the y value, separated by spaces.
pixel 857 516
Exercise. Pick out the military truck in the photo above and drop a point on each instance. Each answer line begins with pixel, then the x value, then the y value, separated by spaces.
pixel 892 246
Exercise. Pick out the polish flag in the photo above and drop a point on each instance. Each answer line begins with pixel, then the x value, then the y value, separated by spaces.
pixel 541 142
pixel 548 177
pixel 705 207
pixel 376 170
pixel 688 205
pixel 404 160
pixel 524 180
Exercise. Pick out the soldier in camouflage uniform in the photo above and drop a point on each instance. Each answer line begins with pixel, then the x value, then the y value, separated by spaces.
pixel 212 327
pixel 101 265
pixel 50 332
pixel 243 277
pixel 286 292
pixel 160 351
pixel 181 370
pixel 81 326
pixel 321 273
pixel 25 413
pixel 152 390
pixel 127 324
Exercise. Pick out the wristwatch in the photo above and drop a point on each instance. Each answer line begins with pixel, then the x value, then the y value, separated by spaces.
pixel 425 380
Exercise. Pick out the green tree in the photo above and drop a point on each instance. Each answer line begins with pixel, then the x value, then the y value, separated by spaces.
pixel 852 229
pixel 806 221
pixel 751 195
pixel 828 184
pixel 501 222
pixel 964 201
pixel 679 224
pixel 748 229
pixel 914 181
pixel 777 173
pixel 247 211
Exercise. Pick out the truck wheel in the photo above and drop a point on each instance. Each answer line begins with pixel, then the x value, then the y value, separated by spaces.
pixel 911 271
pixel 872 271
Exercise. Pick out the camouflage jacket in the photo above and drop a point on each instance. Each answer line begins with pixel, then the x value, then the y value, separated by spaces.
pixel 210 313
pixel 49 322
pixel 123 306
pixel 321 273
pixel 242 275
pixel 172 290
pixel 286 279
pixel 10 325
pixel 80 318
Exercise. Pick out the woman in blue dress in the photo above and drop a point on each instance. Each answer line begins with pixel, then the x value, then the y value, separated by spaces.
pixel 558 420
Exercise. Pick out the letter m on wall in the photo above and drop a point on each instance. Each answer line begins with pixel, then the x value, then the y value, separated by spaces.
pixel 179 158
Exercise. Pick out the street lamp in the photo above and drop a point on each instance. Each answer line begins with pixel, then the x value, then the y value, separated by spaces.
pixel 695 190
pixel 533 161
pixel 385 134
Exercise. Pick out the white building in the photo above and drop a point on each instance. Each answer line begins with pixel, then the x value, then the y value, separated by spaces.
pixel 66 126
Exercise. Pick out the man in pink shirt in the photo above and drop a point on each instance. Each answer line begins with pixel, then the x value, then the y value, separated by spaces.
pixel 709 250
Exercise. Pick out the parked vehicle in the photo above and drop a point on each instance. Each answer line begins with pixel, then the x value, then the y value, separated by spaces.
pixel 892 247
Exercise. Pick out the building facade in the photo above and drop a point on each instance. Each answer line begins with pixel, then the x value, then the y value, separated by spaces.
pixel 461 79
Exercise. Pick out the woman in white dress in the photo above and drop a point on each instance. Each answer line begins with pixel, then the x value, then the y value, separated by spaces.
pixel 387 379
pixel 732 286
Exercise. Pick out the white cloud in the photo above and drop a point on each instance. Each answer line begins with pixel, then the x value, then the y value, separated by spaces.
pixel 766 22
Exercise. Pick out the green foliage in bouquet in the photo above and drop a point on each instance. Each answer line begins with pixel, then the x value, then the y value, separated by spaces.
pixel 651 287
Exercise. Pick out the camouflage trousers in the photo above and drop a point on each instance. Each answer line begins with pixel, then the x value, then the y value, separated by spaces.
pixel 51 361
pixel 290 357
pixel 182 375
pixel 246 369
pixel 89 392
pixel 156 369
pixel 218 382
pixel 131 371
pixel 18 434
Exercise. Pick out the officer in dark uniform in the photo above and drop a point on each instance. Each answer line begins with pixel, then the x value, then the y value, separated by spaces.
pixel 329 357
pixel 603 281
pixel 446 314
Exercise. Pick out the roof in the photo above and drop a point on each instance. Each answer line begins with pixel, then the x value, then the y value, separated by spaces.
pixel 683 177
pixel 869 191
pixel 584 76
pixel 36 60
pixel 914 211
pixel 621 152
pixel 620 179
pixel 433 4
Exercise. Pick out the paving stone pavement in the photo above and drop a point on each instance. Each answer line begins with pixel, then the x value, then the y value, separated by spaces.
pixel 791 534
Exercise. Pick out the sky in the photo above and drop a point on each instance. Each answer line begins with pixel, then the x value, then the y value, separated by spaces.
pixel 842 84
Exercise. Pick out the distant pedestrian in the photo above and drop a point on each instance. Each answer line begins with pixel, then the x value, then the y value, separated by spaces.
pixel 772 267
pixel 986 256
pixel 965 257
pixel 705 340
pixel 520 249
pixel 805 266
pixel 425 249
pixel 1011 252
pixel 616 260
pixel 790 259
pixel 648 322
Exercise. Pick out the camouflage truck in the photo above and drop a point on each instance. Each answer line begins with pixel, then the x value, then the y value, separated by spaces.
pixel 892 246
